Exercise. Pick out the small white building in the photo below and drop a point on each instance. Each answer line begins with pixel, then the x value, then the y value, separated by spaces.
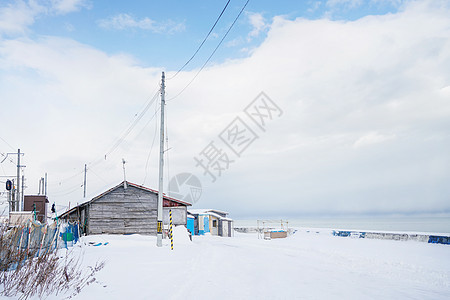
pixel 211 220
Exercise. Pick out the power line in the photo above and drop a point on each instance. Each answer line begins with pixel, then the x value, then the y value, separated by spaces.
pixel 167 151
pixel 92 170
pixel 120 139
pixel 7 143
pixel 67 178
pixel 133 124
pixel 5 155
pixel 148 122
pixel 151 147
pixel 66 188
pixel 4 173
pixel 70 192
pixel 204 40
pixel 209 58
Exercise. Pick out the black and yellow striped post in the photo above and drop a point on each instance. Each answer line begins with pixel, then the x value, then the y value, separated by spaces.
pixel 170 229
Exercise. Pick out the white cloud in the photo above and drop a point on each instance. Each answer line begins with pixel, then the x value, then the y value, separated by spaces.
pixel 67 6
pixel 373 138
pixel 235 42
pixel 361 100
pixel 126 21
pixel 69 27
pixel 446 91
pixel 314 6
pixel 344 3
pixel 18 16
pixel 394 3
pixel 336 6
pixel 258 24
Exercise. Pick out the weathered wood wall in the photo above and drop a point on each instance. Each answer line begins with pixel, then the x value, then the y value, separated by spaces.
pixel 124 211
pixel 72 217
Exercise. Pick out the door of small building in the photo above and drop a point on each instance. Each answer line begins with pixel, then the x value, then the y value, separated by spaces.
pixel 224 228
pixel 214 226
pixel 201 225
pixel 196 226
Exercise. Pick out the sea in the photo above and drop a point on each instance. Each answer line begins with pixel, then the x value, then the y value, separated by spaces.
pixel 437 224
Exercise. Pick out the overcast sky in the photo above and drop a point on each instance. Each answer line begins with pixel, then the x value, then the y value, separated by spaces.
pixel 358 95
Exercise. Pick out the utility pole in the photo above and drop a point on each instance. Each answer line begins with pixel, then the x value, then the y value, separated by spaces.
pixel 161 165
pixel 45 191
pixel 84 184
pixel 22 195
pixel 13 197
pixel 16 197
pixel 18 181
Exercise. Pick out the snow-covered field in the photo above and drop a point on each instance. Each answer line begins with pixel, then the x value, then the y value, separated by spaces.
pixel 303 266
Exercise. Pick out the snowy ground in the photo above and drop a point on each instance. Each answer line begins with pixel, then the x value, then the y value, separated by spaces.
pixel 303 266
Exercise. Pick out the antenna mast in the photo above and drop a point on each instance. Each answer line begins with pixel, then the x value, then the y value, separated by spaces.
pixel 124 177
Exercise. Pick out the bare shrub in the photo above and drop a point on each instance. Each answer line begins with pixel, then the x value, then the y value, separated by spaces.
pixel 27 273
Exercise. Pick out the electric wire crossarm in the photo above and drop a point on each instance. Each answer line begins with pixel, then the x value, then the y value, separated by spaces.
pixel 5 155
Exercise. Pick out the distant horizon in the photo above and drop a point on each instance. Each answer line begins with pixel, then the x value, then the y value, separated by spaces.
pixel 348 216
pixel 434 224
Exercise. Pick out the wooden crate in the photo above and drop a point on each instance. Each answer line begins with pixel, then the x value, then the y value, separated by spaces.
pixel 275 234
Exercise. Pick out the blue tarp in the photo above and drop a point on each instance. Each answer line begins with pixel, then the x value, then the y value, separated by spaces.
pixel 435 239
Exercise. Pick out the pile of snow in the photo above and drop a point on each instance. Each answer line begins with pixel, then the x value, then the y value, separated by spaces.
pixel 314 265
pixel 181 236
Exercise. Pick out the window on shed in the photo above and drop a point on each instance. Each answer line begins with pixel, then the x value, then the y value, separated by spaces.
pixel 214 223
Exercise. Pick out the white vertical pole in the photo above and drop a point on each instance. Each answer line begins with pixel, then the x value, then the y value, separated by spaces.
pixel 13 195
pixel 10 199
pixel 161 166
pixel 84 184
pixel 22 195
pixel 16 208
pixel 45 190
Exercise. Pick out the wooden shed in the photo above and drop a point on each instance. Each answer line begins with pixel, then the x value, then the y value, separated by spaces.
pixel 124 209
